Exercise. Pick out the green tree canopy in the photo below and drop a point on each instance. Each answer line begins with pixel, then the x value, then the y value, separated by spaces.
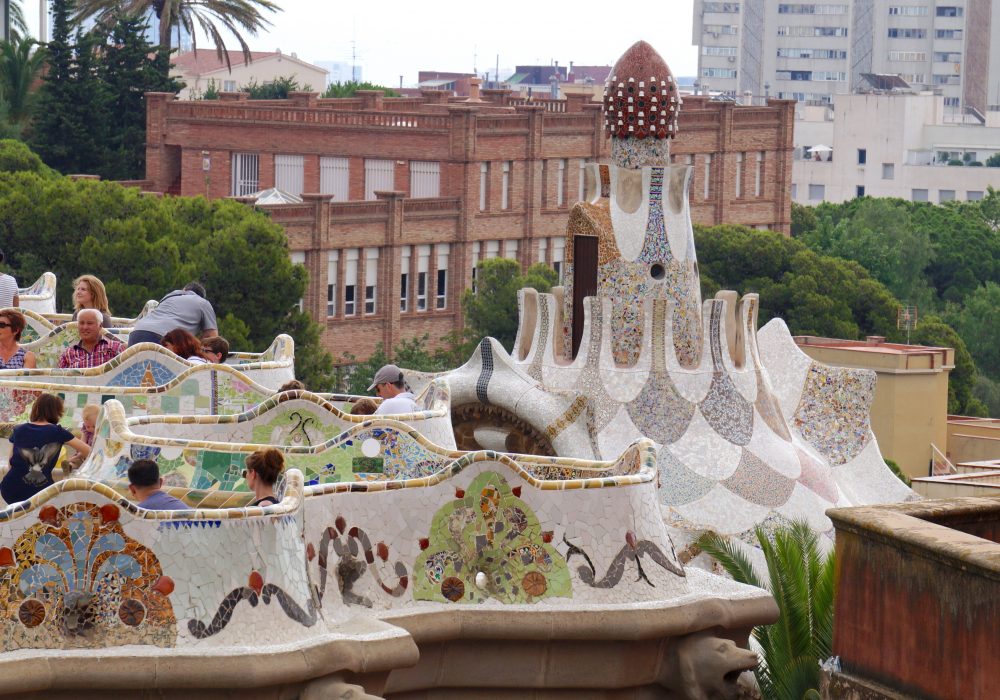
pixel 881 237
pixel 492 309
pixel 143 247
pixel 815 294
pixel 934 332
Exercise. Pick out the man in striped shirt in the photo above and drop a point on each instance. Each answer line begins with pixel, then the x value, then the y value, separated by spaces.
pixel 94 348
pixel 8 290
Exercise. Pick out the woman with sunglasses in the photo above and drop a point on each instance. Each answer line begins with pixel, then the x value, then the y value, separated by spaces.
pixel 262 472
pixel 12 355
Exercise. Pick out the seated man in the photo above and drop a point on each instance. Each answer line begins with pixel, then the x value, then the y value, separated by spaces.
pixel 95 347
pixel 144 483
pixel 389 386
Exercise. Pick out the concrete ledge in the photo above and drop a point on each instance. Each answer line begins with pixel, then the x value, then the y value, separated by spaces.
pixel 361 647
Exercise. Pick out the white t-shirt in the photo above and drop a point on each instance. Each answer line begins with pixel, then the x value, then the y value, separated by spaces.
pixel 400 403
pixel 8 290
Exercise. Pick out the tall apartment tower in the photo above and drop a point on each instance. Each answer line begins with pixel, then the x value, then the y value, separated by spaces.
pixel 811 51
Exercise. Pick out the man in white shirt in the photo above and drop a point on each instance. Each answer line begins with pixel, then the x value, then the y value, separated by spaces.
pixel 9 296
pixel 389 386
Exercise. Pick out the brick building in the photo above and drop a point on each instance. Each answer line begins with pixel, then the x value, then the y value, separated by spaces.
pixel 402 196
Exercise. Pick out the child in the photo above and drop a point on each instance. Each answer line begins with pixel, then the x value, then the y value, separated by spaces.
pixel 90 413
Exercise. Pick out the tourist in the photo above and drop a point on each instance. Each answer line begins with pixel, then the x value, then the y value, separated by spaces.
pixel 183 308
pixel 183 344
pixel 292 385
pixel 36 447
pixel 262 472
pixel 88 425
pixel 89 293
pixel 363 407
pixel 145 485
pixel 9 296
pixel 94 348
pixel 12 355
pixel 389 386
pixel 87 433
pixel 215 349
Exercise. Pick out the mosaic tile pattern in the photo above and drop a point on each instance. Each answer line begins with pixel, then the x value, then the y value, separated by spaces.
pixel 636 153
pixel 41 295
pixel 833 412
pixel 488 544
pixel 75 579
pixel 659 411
pixel 724 407
pixel 640 96
pixel 756 482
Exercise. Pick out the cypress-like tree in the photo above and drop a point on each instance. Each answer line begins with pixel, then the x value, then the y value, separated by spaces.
pixel 130 67
pixel 72 109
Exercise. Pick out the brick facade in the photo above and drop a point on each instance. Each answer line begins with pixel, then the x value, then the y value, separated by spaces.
pixel 486 152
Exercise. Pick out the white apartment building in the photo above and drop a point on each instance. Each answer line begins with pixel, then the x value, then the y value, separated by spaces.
pixel 890 145
pixel 812 51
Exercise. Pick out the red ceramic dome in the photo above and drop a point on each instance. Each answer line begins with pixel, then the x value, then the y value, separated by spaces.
pixel 641 98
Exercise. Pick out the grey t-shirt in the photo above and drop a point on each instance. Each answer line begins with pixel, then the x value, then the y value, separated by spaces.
pixel 179 309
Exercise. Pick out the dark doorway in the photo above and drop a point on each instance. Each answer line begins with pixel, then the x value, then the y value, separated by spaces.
pixel 584 282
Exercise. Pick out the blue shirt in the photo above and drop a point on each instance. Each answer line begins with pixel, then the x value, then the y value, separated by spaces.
pixel 160 500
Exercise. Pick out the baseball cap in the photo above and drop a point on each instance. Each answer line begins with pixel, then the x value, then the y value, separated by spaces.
pixel 389 374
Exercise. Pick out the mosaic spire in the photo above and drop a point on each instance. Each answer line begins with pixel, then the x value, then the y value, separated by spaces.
pixel 641 103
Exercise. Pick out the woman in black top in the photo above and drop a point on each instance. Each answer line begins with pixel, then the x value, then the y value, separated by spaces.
pixel 262 472
pixel 35 450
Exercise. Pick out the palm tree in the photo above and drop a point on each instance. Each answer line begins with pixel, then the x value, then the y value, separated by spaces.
pixel 211 16
pixel 19 69
pixel 801 579
pixel 18 27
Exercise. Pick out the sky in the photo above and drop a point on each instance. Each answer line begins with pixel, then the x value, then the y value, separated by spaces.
pixel 394 38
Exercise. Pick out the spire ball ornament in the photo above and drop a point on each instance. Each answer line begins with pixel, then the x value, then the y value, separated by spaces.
pixel 641 98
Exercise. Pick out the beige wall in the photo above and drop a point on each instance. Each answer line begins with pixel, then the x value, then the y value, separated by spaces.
pixel 910 409
pixel 261 71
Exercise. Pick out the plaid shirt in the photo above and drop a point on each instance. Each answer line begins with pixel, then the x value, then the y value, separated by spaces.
pixel 75 356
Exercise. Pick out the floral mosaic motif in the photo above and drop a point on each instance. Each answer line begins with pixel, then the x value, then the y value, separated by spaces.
pixel 659 411
pixel 756 482
pixel 832 415
pixel 75 579
pixel 724 408
pixel 633 551
pixel 15 406
pixel 355 556
pixel 488 544
pixel 254 592
pixel 144 373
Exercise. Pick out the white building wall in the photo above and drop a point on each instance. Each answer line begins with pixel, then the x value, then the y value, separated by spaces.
pixel 905 132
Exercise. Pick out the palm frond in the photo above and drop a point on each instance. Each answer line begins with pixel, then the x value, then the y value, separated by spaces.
pixel 733 559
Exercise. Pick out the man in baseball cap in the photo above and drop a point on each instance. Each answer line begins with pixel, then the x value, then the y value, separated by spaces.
pixel 389 386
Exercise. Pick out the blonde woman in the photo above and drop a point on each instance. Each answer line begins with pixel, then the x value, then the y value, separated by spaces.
pixel 88 293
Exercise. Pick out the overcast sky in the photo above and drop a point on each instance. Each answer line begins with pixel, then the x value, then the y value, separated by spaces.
pixel 394 38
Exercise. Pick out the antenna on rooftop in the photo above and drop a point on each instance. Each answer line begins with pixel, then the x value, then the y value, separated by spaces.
pixel 906 319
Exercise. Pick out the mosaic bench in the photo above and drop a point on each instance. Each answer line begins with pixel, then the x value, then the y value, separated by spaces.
pixel 273 367
pixel 40 296
pixel 117 322
pixel 488 551
pixel 146 387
